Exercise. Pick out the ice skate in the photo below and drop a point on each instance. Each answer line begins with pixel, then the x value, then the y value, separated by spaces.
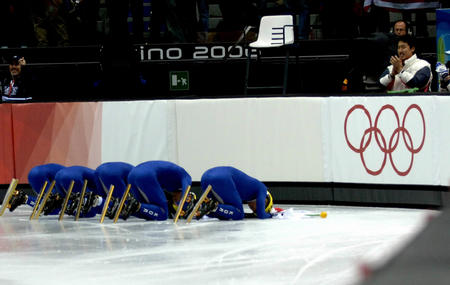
pixel 131 206
pixel 207 208
pixel 72 205
pixel 53 202
pixel 18 198
pixel 90 200
pixel 112 207
pixel 187 206
pixel 208 205
pixel 9 193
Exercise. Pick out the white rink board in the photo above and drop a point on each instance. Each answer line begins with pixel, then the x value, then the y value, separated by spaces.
pixel 401 166
pixel 272 139
pixel 138 131
pixel 443 133
pixel 288 139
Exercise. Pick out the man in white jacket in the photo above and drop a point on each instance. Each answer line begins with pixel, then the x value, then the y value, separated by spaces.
pixel 406 70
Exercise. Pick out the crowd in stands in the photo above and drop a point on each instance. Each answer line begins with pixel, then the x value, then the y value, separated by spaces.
pixel 77 22
pixel 115 26
pixel 25 23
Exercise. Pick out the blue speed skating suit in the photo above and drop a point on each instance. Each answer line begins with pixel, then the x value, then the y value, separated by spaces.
pixel 78 174
pixel 231 187
pixel 150 179
pixel 38 175
pixel 114 173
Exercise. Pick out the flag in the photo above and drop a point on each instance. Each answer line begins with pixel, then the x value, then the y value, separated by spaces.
pixel 402 4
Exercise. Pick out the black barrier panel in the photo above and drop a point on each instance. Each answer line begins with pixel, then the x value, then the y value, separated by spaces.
pixel 215 70
pixel 380 195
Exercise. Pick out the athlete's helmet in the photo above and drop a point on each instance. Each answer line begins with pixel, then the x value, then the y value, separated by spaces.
pixel 188 205
pixel 269 202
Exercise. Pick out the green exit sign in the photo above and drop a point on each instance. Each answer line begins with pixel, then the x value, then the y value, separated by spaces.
pixel 179 80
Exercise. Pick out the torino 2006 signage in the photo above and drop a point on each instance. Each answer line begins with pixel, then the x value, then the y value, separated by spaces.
pixel 194 52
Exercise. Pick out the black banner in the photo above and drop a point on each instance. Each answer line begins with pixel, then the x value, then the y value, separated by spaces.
pixel 190 52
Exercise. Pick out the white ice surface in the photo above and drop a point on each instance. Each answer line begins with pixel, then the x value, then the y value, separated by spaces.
pixel 293 250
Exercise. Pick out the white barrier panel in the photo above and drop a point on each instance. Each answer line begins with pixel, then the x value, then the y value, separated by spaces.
pixel 273 139
pixel 138 131
pixel 443 132
pixel 392 140
pixel 387 140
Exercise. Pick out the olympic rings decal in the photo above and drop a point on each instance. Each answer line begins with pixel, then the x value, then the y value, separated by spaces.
pixel 387 147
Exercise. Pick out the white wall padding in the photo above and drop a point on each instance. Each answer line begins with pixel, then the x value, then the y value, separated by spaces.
pixel 273 139
pixel 138 131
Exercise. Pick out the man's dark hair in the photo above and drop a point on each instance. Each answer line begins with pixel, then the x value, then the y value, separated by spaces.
pixel 409 40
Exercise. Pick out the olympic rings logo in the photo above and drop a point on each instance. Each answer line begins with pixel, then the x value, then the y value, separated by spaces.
pixel 387 147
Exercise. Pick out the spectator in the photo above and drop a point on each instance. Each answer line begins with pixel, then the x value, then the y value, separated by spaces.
pixel 382 46
pixel 406 70
pixel 177 21
pixel 50 24
pixel 173 21
pixel 444 77
pixel 400 28
pixel 407 7
pixel 16 86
